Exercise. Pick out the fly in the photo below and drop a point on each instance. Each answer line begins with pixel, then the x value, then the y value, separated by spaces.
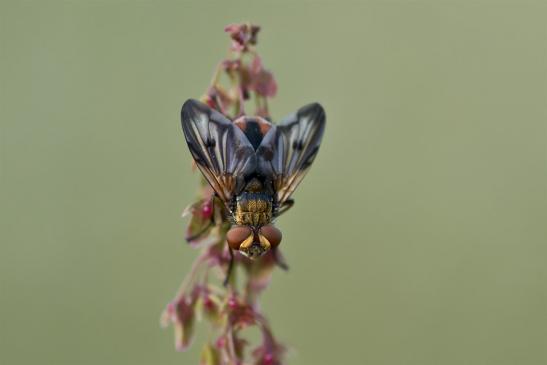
pixel 253 166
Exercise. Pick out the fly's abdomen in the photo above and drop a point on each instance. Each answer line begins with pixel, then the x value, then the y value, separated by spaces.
pixel 253 209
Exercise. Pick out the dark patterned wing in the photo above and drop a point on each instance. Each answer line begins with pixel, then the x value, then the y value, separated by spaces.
pixel 288 149
pixel 220 149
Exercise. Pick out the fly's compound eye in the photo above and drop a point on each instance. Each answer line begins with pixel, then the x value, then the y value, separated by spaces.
pixel 237 235
pixel 272 234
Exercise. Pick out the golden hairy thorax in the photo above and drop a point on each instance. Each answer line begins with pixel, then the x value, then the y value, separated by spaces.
pixel 253 206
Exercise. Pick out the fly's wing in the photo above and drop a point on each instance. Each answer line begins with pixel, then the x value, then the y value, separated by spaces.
pixel 288 149
pixel 221 151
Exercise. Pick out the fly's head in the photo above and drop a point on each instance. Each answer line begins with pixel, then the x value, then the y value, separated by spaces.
pixel 253 242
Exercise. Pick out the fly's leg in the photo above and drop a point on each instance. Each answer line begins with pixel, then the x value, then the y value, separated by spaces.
pixel 279 259
pixel 287 204
pixel 230 268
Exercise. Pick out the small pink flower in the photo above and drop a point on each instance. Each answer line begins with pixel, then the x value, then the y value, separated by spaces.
pixel 207 209
pixel 240 314
pixel 270 352
pixel 262 80
pixel 181 313
pixel 217 98
pixel 242 35
pixel 231 65
pixel 220 342
pixel 200 223
pixel 211 100
pixel 210 305
pixel 232 303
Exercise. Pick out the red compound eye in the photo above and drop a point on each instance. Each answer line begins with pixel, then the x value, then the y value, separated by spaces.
pixel 236 235
pixel 272 234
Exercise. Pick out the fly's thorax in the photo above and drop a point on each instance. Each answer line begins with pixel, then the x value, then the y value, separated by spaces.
pixel 253 209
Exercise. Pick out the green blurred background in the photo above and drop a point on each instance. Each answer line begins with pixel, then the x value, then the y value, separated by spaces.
pixel 419 236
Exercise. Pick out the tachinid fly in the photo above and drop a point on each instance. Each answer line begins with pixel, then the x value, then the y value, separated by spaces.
pixel 253 166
